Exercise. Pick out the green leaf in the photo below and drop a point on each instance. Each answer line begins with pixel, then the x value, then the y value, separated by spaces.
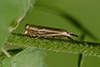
pixel 30 57
pixel 10 10
pixel 62 45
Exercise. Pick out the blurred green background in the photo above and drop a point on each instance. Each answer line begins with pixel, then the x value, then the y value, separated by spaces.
pixel 86 12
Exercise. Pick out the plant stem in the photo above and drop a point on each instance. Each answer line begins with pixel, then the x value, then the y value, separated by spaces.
pixel 80 61
pixel 54 44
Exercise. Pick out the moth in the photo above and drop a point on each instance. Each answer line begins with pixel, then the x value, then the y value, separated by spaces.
pixel 41 31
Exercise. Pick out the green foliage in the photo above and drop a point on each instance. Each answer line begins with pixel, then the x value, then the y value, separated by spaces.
pixel 29 57
pixel 12 13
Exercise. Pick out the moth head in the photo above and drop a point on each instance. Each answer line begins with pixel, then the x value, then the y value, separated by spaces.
pixel 27 26
pixel 71 34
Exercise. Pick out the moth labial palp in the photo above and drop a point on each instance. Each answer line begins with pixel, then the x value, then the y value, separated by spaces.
pixel 28 32
pixel 41 31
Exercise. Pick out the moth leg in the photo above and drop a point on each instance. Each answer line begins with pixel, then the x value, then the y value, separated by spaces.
pixel 34 33
pixel 31 34
pixel 60 36
pixel 37 37
pixel 45 36
pixel 27 32
pixel 55 36
pixel 70 38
